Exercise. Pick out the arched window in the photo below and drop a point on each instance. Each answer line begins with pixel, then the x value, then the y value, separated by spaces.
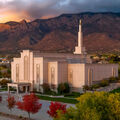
pixel 17 72
pixel 113 72
pixel 90 76
pixel 52 75
pixel 26 68
pixel 38 73
pixel 70 80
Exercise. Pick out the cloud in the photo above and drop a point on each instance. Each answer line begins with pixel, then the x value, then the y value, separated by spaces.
pixel 32 9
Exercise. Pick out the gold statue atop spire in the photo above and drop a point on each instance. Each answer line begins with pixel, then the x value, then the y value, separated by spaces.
pixel 80 22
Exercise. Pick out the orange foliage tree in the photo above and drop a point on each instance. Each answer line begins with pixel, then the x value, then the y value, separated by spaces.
pixel 55 107
pixel 30 104
pixel 11 102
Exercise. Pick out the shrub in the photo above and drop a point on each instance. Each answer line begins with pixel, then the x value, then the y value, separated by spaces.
pixel 113 79
pixel 52 92
pixel 53 87
pixel 4 82
pixel 63 88
pixel 104 83
pixel 95 86
pixel 46 88
pixel 67 88
pixel 86 87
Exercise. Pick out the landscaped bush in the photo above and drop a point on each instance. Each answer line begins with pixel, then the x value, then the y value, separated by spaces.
pixel 95 86
pixel 46 88
pixel 113 79
pixel 4 82
pixel 67 88
pixel 63 88
pixel 86 87
pixel 12 89
pixel 104 83
pixel 51 92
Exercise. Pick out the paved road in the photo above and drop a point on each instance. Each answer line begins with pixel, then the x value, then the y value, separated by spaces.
pixel 41 115
pixel 4 118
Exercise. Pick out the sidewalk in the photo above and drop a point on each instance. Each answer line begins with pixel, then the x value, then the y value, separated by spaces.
pixel 41 115
pixel 109 88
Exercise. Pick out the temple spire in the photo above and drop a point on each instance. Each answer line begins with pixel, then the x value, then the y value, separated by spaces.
pixel 80 34
pixel 80 26
pixel 80 49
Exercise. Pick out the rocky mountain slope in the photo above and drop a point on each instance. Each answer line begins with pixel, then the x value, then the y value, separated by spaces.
pixel 101 33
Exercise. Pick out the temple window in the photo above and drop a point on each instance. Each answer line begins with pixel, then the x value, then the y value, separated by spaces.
pixel 26 68
pixel 37 73
pixel 17 72
pixel 70 80
pixel 52 75
pixel 90 76
pixel 113 72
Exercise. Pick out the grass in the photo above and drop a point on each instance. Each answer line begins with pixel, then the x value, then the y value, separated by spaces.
pixel 115 90
pixel 73 95
pixel 3 89
pixel 58 99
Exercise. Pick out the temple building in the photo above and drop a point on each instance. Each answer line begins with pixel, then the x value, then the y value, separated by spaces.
pixel 34 68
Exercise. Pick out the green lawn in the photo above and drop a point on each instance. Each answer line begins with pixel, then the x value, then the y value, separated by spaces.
pixel 115 90
pixel 3 89
pixel 73 95
pixel 64 100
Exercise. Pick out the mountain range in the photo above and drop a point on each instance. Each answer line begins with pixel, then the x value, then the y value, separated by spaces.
pixel 101 32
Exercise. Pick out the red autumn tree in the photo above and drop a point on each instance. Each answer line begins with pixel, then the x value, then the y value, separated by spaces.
pixel 11 102
pixel 54 107
pixel 30 104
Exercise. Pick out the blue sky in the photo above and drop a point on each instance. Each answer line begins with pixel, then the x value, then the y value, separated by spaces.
pixel 32 9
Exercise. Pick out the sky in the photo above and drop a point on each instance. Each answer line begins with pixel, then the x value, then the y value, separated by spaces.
pixel 17 10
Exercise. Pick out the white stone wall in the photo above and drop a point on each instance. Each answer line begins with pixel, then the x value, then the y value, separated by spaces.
pixel 76 74
pixel 55 66
pixel 62 72
pixel 78 79
pixel 13 69
pixel 100 71
pixel 38 62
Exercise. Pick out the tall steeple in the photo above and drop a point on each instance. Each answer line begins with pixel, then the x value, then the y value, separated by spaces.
pixel 80 35
pixel 80 49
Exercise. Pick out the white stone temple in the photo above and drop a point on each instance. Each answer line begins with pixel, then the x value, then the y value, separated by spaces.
pixel 34 68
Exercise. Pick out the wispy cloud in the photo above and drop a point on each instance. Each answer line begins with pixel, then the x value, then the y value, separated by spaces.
pixel 32 9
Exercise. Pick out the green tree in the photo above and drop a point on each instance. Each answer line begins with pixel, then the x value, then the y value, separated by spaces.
pixel 4 82
pixel 63 88
pixel 94 106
